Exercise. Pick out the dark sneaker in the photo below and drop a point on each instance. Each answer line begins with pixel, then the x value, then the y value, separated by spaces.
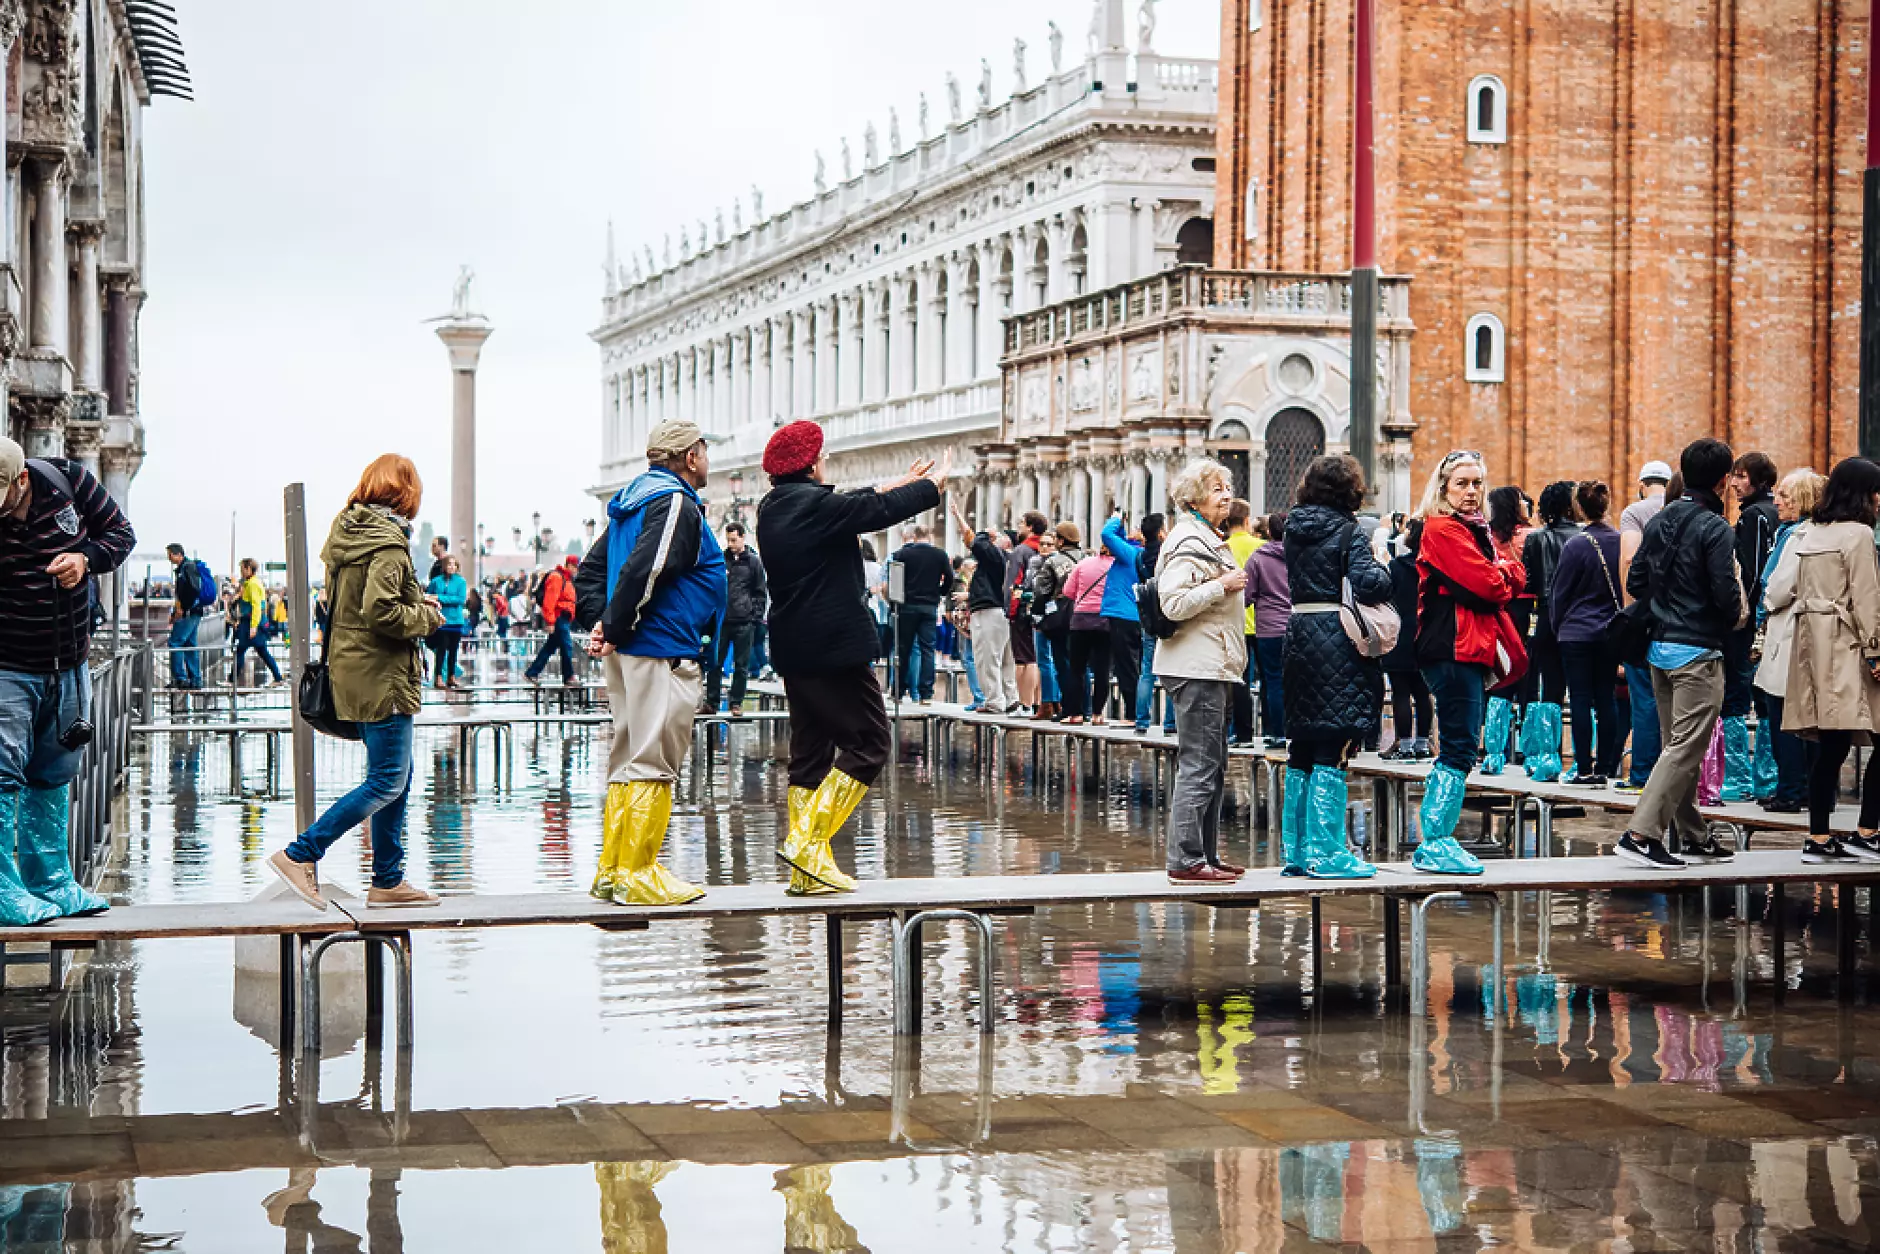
pixel 1710 851
pixel 1627 787
pixel 1401 751
pixel 1776 805
pixel 1647 852
pixel 1587 781
pixel 1865 848
pixel 1828 850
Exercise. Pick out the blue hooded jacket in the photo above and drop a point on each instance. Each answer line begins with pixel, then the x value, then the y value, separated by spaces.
pixel 675 580
pixel 1119 586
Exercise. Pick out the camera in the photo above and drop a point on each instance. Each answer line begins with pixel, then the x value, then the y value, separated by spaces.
pixel 77 734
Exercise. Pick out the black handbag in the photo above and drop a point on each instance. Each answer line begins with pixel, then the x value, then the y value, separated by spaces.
pixel 1629 634
pixel 315 695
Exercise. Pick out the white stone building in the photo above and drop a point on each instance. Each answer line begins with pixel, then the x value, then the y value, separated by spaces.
pixel 71 258
pixel 875 307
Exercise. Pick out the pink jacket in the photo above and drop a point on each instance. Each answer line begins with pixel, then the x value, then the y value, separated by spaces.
pixel 1085 588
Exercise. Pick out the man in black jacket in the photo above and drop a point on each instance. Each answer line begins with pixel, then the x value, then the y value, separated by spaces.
pixel 1686 568
pixel 823 640
pixel 745 600
pixel 986 617
pixel 927 579
pixel 1752 482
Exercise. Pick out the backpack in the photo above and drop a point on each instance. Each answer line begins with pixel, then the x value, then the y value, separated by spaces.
pixel 205 587
pixel 1149 609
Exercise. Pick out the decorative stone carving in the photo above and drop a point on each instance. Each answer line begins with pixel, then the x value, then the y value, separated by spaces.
pixel 1034 410
pixel 51 96
pixel 1083 386
pixel 1057 48
pixel 1145 27
pixel 1175 374
pixel 1018 66
pixel 1142 376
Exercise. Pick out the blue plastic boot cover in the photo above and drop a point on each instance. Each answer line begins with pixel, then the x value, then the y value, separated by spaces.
pixel 1293 821
pixel 1540 742
pixel 46 852
pixel 1439 1183
pixel 1495 735
pixel 1737 782
pixel 1438 853
pixel 1764 772
pixel 18 907
pixel 1328 855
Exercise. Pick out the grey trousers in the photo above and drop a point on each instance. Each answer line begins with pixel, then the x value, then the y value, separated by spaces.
pixel 1194 810
pixel 1689 700
pixel 992 658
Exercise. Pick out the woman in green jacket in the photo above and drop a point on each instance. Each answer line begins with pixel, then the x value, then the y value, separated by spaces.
pixel 379 619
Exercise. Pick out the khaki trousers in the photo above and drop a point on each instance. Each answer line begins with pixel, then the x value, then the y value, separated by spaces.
pixel 992 658
pixel 653 701
pixel 1689 700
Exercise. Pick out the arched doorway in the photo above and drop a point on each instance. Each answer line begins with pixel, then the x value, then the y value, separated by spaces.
pixel 1293 438
pixel 1194 243
pixel 1232 446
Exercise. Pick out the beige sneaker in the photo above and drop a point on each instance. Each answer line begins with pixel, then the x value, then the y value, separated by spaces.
pixel 302 877
pixel 406 894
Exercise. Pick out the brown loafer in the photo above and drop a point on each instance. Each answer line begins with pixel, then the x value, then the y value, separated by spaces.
pixel 1222 864
pixel 1202 874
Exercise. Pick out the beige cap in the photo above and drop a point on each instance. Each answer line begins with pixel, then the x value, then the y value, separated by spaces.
pixel 672 438
pixel 12 461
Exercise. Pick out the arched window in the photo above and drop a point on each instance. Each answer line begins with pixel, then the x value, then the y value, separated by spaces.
pixel 1488 110
pixel 1194 243
pixel 1483 348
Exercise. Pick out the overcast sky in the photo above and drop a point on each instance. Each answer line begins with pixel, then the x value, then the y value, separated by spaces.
pixel 310 209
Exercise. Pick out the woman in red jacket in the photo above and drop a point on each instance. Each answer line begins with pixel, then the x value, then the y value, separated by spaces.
pixel 1463 588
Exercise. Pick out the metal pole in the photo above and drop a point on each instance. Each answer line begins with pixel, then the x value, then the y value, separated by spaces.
pixel 1870 259
pixel 300 620
pixel 1364 250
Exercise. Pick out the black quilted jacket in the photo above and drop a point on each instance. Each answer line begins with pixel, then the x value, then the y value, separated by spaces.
pixel 1330 690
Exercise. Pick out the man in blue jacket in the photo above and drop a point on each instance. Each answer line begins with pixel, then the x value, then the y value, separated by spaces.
pixel 656 584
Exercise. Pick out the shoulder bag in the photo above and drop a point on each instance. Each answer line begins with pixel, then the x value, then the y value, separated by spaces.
pixel 1372 629
pixel 1149 598
pixel 1629 634
pixel 314 695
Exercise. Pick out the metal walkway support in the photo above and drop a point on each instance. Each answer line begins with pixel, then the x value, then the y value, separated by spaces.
pixel 1420 944
pixel 907 999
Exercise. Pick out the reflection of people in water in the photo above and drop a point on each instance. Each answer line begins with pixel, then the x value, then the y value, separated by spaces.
pixel 33 1216
pixel 294 1210
pixel 631 1222
pixel 811 1224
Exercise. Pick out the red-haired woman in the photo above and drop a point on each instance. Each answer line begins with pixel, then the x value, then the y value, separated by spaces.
pixel 379 619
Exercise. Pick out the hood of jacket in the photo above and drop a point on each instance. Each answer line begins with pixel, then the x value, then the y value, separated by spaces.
pixel 359 532
pixel 1314 524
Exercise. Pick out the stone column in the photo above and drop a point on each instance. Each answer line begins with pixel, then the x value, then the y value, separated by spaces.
pixel 1138 490
pixel 877 354
pixel 50 320
pixel 934 327
pixel 991 332
pixel 1042 476
pixel 1158 486
pixel 740 381
pixel 800 362
pixel 900 332
pixel 88 351
pixel 1099 499
pixel 117 346
pixel 779 368
pixel 759 409
pixel 849 331
pixel 828 346
pixel 957 347
pixel 1079 507
pixel 995 503
pixel 1107 256
pixel 1058 281
pixel 463 337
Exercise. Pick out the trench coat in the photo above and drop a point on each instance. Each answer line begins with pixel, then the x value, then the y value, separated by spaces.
pixel 1836 629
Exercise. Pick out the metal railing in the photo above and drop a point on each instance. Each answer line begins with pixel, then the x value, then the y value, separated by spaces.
pixel 123 681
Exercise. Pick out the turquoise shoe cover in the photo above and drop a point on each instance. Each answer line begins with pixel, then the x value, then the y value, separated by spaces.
pixel 1495 735
pixel 1438 853
pixel 46 852
pixel 1764 771
pixel 1328 855
pixel 1540 742
pixel 1439 1183
pixel 1293 821
pixel 1737 782
pixel 18 907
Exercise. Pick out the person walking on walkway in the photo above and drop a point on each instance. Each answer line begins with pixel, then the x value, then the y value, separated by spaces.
pixel 1330 689
pixel 450 591
pixel 1510 519
pixel 1653 478
pixel 1585 599
pixel 557 603
pixel 991 628
pixel 1796 498
pixel 746 599
pixel 1833 693
pixel 1748 772
pixel 1412 716
pixel 823 640
pixel 192 595
pixel 250 612
pixel 654 585
pixel 1050 596
pixel 927 581
pixel 1020 560
pixel 1686 566
pixel 379 619
pixel 58 528
pixel 1462 631
pixel 1119 611
pixel 1546 679
pixel 1087 694
pixel 1199 583
pixel 1269 600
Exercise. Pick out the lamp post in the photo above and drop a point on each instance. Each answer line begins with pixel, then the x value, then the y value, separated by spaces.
pixel 477 569
pixel 735 512
pixel 1869 410
pixel 1363 439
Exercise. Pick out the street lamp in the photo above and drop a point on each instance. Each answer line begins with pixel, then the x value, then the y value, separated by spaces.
pixel 477 569
pixel 736 511
pixel 589 525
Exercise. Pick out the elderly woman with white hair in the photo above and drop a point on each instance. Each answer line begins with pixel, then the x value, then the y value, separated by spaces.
pixel 1199 585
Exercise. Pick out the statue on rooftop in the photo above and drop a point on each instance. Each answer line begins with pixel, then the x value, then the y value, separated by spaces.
pixel 848 162
pixel 460 294
pixel 1057 48
pixel 822 174
pixel 757 204
pixel 1018 66
pixel 894 131
pixel 1145 27
pixel 953 96
pixel 985 84
pixel 923 116
pixel 871 147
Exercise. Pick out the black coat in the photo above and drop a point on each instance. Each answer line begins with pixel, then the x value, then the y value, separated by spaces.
pixel 809 534
pixel 745 595
pixel 1686 564
pixel 1756 525
pixel 1403 594
pixel 1331 692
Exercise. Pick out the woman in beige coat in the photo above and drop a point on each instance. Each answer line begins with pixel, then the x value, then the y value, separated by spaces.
pixel 1199 583
pixel 1834 654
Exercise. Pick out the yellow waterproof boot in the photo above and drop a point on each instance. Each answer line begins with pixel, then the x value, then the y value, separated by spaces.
pixel 802 828
pixel 642 881
pixel 613 842
pixel 811 1223
pixel 829 808
pixel 631 1222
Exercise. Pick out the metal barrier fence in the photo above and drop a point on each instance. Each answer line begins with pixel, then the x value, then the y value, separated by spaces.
pixel 123 679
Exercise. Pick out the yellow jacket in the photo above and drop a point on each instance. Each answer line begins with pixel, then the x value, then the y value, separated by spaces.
pixel 254 601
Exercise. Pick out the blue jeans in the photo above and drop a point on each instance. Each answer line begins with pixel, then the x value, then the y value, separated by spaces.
pixel 972 675
pixel 34 710
pixel 1645 735
pixel 1048 689
pixel 1269 654
pixel 915 672
pixel 381 798
pixel 557 641
pixel 1460 700
pixel 185 662
pixel 246 639
pixel 1145 691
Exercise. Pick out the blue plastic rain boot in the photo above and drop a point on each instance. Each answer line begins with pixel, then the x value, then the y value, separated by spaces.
pixel 1764 771
pixel 1737 782
pixel 1540 742
pixel 1328 853
pixel 1438 853
pixel 18 907
pixel 1495 735
pixel 1292 823
pixel 46 852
